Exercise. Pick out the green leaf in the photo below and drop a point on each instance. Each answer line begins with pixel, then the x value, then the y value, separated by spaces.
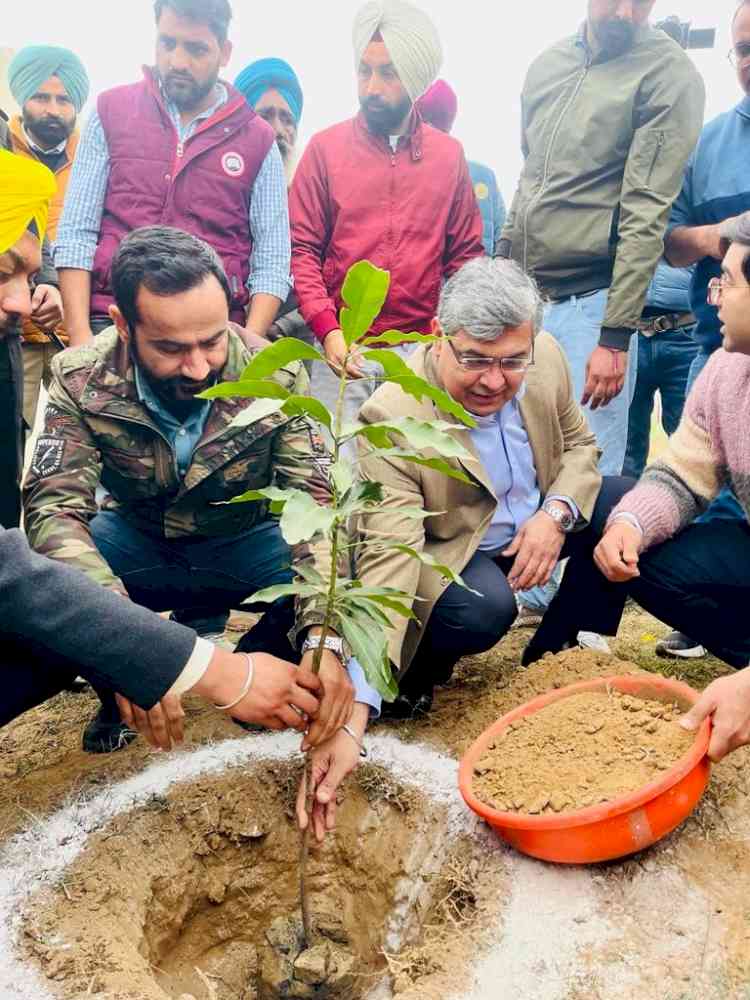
pixel 437 464
pixel 282 352
pixel 368 608
pixel 271 594
pixel 364 292
pixel 272 493
pixel 341 475
pixel 296 406
pixel 428 560
pixel 435 435
pixel 419 388
pixel 303 518
pixel 369 644
pixel 311 575
pixel 257 410
pixel 392 364
pixel 395 337
pixel 246 389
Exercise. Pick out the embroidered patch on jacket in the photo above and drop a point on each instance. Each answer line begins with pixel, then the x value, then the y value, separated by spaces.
pixel 233 164
pixel 48 456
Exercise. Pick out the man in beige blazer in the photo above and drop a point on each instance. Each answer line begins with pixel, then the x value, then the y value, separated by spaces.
pixel 535 494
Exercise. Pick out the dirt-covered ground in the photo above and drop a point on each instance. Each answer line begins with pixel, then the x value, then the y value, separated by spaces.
pixel 676 916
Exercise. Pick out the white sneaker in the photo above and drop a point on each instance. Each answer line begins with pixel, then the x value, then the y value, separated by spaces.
pixel 592 640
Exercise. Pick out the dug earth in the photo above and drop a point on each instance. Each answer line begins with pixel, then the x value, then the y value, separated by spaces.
pixel 580 751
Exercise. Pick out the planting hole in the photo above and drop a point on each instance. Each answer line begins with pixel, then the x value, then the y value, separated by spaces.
pixel 195 896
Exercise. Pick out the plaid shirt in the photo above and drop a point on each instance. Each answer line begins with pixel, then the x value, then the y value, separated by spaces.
pixel 78 232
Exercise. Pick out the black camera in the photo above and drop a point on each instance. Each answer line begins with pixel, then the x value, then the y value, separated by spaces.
pixel 687 36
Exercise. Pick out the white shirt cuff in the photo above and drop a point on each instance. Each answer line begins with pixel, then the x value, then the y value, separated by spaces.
pixel 195 667
pixel 629 519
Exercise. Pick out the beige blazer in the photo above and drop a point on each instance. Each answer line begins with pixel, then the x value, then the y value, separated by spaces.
pixel 565 456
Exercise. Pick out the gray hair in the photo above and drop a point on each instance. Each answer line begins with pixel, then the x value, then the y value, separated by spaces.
pixel 487 296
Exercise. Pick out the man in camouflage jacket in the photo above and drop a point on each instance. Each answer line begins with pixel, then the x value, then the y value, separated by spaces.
pixel 164 535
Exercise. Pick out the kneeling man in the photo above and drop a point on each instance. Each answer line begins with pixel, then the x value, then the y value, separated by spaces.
pixel 535 494
pixel 124 419
pixel 692 574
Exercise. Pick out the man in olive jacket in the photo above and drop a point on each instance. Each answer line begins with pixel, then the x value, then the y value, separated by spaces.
pixel 609 118
pixel 124 414
pixel 534 494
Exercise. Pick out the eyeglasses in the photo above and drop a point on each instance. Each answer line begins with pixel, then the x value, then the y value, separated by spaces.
pixel 739 54
pixel 477 364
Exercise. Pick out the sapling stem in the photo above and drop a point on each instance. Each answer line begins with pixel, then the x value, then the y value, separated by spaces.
pixel 317 657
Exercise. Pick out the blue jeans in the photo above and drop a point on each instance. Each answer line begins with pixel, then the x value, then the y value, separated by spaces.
pixel 664 363
pixel 210 574
pixel 725 507
pixel 576 325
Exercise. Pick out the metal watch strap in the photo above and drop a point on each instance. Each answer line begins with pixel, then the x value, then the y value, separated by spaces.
pixel 334 644
pixel 565 522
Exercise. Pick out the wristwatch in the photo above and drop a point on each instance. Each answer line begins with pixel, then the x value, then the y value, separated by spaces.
pixel 333 643
pixel 563 518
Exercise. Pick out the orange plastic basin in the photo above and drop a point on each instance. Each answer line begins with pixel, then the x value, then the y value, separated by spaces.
pixel 612 829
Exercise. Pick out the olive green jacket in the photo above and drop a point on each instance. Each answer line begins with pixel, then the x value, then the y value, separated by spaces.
pixel 98 432
pixel 605 143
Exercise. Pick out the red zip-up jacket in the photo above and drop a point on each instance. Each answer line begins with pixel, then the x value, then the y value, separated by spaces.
pixel 412 212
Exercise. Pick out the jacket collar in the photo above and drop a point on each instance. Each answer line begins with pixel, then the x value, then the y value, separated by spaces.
pixel 594 53
pixel 413 137
pixel 21 140
pixel 743 108
pixel 235 100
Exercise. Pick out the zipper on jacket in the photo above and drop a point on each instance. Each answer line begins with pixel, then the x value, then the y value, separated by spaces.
pixel 548 157
pixel 657 153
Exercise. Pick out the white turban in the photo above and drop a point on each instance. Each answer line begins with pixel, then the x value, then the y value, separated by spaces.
pixel 410 37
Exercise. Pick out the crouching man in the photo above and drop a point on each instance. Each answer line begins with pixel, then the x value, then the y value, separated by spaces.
pixel 124 420
pixel 692 574
pixel 535 494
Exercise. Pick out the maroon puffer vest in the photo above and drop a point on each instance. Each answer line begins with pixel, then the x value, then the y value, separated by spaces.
pixel 203 186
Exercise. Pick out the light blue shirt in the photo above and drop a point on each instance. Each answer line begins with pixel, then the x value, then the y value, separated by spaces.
pixel 183 437
pixel 78 231
pixel 505 452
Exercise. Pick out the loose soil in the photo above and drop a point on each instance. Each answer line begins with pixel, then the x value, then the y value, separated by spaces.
pixel 677 914
pixel 196 895
pixel 580 751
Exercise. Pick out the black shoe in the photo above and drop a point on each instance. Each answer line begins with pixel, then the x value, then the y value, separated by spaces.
pixel 678 645
pixel 208 626
pixel 106 735
pixel 408 706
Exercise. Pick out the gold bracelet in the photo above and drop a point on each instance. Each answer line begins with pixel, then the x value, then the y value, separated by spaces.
pixel 245 686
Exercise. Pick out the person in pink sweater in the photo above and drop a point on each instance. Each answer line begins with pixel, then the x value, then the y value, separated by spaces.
pixel 693 576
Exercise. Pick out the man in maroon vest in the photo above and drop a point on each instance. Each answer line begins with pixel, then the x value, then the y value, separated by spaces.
pixel 180 148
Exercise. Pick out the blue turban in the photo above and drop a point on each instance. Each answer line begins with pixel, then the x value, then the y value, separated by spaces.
pixel 37 63
pixel 264 74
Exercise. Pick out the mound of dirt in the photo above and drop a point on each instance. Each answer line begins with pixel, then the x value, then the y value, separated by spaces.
pixel 580 751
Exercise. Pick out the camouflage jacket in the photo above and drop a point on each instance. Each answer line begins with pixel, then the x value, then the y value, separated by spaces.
pixel 98 432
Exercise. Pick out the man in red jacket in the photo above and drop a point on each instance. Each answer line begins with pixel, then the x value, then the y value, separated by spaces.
pixel 385 187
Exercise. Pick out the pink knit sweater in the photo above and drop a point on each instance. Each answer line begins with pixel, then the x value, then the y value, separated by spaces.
pixel 709 450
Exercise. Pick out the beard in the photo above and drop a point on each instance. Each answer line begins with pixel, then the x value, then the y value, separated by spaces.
pixel 384 119
pixel 615 36
pixel 184 90
pixel 176 393
pixel 48 130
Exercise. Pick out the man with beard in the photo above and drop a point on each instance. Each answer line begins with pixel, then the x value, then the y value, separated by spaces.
pixel 51 86
pixel 609 118
pixel 273 91
pixel 382 186
pixel 181 148
pixel 123 415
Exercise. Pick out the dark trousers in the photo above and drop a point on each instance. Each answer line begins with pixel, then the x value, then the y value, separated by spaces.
pixel 697 582
pixel 464 624
pixel 11 430
pixel 31 675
